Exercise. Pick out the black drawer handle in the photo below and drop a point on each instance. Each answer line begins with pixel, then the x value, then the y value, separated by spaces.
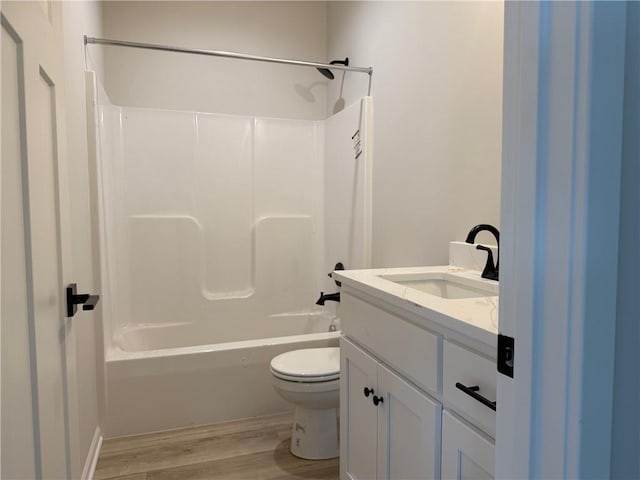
pixel 473 392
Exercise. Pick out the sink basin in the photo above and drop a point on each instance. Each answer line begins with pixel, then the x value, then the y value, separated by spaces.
pixel 444 285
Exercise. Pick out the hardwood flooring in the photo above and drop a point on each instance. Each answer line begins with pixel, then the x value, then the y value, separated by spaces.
pixel 255 448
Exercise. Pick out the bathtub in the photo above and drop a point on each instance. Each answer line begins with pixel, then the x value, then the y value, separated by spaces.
pixel 165 377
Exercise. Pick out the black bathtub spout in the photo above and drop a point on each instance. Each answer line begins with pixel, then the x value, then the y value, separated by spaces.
pixel 333 297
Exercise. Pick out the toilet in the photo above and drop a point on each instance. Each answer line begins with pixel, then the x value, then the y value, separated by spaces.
pixel 309 379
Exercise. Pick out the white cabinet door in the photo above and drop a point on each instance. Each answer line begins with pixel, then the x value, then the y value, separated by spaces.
pixel 408 430
pixel 466 454
pixel 358 414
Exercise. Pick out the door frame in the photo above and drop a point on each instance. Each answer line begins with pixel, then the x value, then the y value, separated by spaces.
pixel 562 148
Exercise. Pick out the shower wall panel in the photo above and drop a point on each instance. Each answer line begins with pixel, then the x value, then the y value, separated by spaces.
pixel 347 184
pixel 288 168
pixel 159 162
pixel 114 251
pixel 285 268
pixel 226 226
pixel 165 256
pixel 213 218
pixel 225 203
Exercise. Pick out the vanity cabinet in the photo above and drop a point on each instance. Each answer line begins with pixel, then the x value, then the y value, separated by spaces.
pixel 389 429
pixel 416 402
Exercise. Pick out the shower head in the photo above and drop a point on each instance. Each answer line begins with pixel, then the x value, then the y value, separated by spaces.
pixel 328 73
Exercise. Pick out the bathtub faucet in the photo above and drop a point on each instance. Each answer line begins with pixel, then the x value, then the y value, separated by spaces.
pixel 334 297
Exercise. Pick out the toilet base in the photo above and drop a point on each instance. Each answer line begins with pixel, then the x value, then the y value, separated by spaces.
pixel 314 434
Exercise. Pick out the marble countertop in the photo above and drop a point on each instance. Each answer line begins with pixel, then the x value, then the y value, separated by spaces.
pixel 476 318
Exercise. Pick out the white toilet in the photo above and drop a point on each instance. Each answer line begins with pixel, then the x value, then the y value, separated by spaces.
pixel 309 378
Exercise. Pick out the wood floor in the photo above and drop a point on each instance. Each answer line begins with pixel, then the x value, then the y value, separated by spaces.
pixel 256 448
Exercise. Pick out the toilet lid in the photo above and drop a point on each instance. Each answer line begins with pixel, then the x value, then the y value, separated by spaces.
pixel 308 365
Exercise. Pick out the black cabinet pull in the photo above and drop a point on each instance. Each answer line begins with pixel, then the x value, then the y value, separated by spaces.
pixel 367 391
pixel 473 392
pixel 377 400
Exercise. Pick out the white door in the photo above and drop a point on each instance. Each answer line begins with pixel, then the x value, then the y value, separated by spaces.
pixel 358 414
pixel 408 430
pixel 35 260
pixel 466 454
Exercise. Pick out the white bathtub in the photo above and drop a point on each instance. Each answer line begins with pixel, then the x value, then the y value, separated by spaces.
pixel 155 382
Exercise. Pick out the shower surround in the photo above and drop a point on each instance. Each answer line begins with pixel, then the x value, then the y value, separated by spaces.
pixel 217 233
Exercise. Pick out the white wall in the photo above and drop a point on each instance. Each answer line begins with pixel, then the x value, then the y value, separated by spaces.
pixel 437 88
pixel 79 18
pixel 145 78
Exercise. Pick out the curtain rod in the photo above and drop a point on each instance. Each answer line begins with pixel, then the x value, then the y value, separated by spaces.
pixel 216 53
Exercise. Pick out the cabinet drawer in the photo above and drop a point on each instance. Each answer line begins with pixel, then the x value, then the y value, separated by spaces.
pixel 411 350
pixel 470 370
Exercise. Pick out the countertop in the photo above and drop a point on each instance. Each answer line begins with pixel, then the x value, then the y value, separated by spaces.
pixel 475 318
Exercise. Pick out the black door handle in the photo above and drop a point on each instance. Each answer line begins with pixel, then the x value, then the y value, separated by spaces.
pixel 473 393
pixel 74 299
pixel 377 400
pixel 367 391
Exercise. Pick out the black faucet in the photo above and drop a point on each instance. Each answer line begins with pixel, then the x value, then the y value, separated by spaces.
pixel 334 297
pixel 490 271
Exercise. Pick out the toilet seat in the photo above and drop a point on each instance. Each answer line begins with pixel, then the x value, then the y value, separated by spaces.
pixel 305 379
pixel 309 365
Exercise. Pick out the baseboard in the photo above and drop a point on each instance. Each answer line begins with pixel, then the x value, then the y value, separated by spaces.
pixel 92 457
